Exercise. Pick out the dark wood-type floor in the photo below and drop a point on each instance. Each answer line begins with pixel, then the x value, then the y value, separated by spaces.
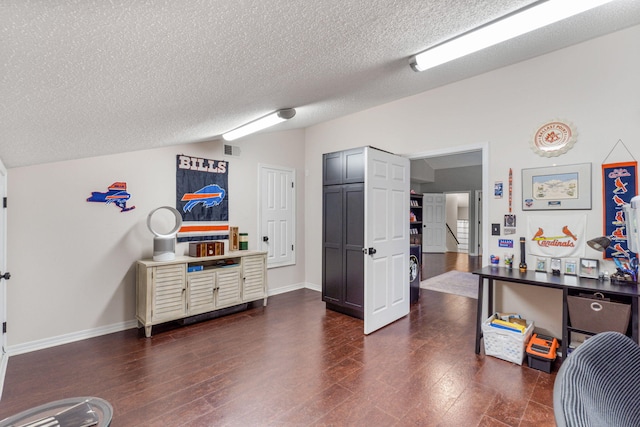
pixel 294 363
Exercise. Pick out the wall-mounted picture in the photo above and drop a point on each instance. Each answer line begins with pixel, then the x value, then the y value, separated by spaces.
pixel 571 266
pixel 557 187
pixel 589 268
pixel 541 264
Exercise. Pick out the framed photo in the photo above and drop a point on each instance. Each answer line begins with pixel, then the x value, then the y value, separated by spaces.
pixel 589 268
pixel 571 266
pixel 541 264
pixel 557 188
pixel 510 220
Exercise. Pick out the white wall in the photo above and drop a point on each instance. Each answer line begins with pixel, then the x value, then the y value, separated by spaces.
pixel 73 262
pixel 595 85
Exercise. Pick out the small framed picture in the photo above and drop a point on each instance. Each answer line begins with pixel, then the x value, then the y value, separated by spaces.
pixel 556 265
pixel 589 268
pixel 571 266
pixel 541 264
pixel 510 220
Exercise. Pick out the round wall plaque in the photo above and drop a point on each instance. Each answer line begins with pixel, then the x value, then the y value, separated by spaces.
pixel 554 138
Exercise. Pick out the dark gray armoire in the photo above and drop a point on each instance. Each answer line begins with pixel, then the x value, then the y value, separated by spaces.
pixel 343 231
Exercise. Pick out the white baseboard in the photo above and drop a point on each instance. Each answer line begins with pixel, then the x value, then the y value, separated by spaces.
pixel 68 338
pixel 294 287
pixel 313 287
pixel 3 371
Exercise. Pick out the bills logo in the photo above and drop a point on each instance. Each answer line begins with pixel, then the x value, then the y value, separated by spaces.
pixel 211 195
pixel 116 194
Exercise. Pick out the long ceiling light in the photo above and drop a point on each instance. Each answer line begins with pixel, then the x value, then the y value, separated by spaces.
pixel 259 124
pixel 522 21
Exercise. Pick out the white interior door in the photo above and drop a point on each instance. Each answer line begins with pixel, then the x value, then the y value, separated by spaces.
pixel 386 221
pixel 434 226
pixel 478 223
pixel 3 273
pixel 276 226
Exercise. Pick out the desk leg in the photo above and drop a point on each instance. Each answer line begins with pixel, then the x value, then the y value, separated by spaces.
pixel 634 319
pixel 565 324
pixel 490 297
pixel 479 314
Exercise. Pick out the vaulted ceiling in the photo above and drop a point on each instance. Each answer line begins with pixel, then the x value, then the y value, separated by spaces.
pixel 82 78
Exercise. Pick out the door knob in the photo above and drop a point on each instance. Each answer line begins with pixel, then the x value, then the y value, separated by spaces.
pixel 6 276
pixel 265 238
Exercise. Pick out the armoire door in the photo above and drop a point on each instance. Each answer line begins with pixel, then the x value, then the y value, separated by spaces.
pixel 353 232
pixel 332 250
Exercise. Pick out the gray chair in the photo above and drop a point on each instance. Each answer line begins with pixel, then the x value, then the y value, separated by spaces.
pixel 599 384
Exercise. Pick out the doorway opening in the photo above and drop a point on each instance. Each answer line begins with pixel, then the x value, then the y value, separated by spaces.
pixel 457 170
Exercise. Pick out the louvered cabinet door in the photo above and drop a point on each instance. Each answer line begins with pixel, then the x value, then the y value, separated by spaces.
pixel 254 277
pixel 201 290
pixel 169 284
pixel 229 287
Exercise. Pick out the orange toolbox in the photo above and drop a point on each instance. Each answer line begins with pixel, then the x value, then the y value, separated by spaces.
pixel 541 352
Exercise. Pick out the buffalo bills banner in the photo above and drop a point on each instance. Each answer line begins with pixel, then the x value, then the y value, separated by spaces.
pixel 619 185
pixel 202 198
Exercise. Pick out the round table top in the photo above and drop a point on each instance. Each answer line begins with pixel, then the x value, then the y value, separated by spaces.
pixel 73 412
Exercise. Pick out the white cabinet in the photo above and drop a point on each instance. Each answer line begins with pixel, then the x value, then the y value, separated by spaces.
pixel 167 291
pixel 254 271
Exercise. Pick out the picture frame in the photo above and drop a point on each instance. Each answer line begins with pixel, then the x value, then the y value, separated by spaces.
pixel 565 187
pixel 555 265
pixel 541 264
pixel 589 268
pixel 570 266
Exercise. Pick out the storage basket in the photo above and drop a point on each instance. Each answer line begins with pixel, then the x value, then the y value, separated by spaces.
pixel 504 344
pixel 593 314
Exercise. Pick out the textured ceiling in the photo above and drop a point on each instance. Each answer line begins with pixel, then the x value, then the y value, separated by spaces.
pixel 82 78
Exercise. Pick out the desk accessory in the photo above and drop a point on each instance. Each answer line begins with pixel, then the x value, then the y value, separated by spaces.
pixel 523 262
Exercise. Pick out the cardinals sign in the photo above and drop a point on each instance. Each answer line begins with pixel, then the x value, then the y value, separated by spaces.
pixel 556 236
pixel 619 185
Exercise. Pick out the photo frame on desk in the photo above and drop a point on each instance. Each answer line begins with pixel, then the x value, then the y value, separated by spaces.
pixel 570 267
pixel 555 265
pixel 589 268
pixel 557 188
pixel 541 264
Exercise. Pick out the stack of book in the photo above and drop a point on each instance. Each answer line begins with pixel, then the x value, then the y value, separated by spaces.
pixel 509 325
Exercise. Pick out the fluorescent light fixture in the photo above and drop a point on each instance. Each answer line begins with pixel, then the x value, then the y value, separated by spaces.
pixel 259 124
pixel 522 21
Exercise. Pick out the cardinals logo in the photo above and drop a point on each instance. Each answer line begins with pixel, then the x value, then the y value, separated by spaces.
pixel 618 201
pixel 618 233
pixel 539 235
pixel 567 239
pixel 621 187
pixel 619 219
pixel 619 251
